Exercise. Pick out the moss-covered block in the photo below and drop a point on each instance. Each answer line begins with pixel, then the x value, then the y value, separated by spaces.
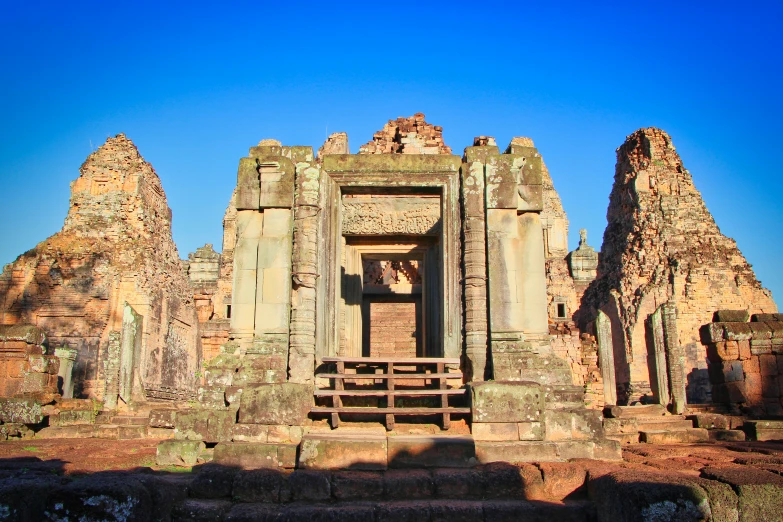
pixel 285 403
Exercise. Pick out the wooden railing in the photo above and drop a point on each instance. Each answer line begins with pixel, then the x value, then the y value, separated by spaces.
pixel 430 375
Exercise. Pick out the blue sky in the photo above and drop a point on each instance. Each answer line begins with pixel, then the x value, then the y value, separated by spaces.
pixel 195 84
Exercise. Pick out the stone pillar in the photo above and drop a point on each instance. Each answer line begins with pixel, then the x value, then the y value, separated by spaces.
pixel 301 359
pixel 655 324
pixel 67 358
pixel 675 355
pixel 243 298
pixel 112 368
pixel 474 268
pixel 603 328
pixel 532 277
pixel 505 258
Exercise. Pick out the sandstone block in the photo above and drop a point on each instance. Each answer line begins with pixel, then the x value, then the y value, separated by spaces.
pixel 507 401
pixel 733 316
pixel 710 421
pixel 522 451
pixel 355 485
pixel 310 485
pixel 751 365
pixel 563 479
pixel 22 411
pixel 726 435
pixel 260 485
pixel 179 452
pixel 99 497
pixel 732 371
pixel 458 483
pixel 618 496
pixel 744 350
pixel 495 431
pixel 558 425
pixel 408 484
pixel 531 430
pixel 326 452
pixel 201 510
pixel 249 433
pixel 768 364
pixel 212 482
pixel 431 451
pixel 162 418
pixel 770 389
pixel 760 493
pixel 255 455
pixel 72 418
pixel 206 425
pixel 285 434
pixel 281 404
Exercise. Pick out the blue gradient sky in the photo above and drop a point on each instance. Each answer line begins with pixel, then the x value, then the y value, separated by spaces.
pixel 194 85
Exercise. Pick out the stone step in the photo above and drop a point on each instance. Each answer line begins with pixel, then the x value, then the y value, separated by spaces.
pixel 674 437
pixel 696 409
pixel 665 425
pixel 625 438
pixel 120 432
pixel 711 421
pixel 646 410
pixel 129 420
pixel 617 426
pixel 478 510
pixel 66 432
pixel 726 435
pixel 765 430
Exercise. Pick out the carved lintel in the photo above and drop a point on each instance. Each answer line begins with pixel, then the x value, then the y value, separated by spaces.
pixel 382 216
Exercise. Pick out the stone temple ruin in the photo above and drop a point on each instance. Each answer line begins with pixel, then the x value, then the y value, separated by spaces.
pixel 402 286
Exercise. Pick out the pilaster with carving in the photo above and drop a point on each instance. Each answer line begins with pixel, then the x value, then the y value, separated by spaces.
pixel 475 268
pixel 307 210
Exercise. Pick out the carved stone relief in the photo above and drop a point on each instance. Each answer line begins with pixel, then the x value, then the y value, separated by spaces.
pixel 387 216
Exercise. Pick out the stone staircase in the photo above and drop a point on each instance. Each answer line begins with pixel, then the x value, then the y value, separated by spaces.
pixel 652 424
pixel 78 418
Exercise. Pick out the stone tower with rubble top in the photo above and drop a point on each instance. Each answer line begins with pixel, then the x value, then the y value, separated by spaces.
pixel 110 284
pixel 663 253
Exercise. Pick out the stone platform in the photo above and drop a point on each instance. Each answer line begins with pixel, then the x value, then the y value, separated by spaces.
pixel 714 481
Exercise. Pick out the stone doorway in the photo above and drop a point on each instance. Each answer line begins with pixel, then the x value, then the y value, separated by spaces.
pixel 391 298
pixel 391 308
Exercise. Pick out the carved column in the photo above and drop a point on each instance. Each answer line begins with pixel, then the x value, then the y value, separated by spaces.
pixel 301 360
pixel 475 268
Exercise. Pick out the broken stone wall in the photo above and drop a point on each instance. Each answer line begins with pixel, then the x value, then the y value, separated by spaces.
pixel 746 362
pixel 407 136
pixel 661 244
pixel 27 368
pixel 115 248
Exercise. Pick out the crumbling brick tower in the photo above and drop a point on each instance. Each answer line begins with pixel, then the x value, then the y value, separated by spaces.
pixel 110 284
pixel 664 269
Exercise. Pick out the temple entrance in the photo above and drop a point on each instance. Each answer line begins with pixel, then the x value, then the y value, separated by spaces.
pixel 391 309
pixel 391 298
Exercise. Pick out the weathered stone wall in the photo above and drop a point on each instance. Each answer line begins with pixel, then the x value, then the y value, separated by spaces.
pixel 336 143
pixel 662 244
pixel 746 362
pixel 26 369
pixel 115 248
pixel 406 136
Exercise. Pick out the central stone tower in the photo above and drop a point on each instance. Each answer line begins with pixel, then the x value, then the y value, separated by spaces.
pixel 396 258
pixel 444 253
